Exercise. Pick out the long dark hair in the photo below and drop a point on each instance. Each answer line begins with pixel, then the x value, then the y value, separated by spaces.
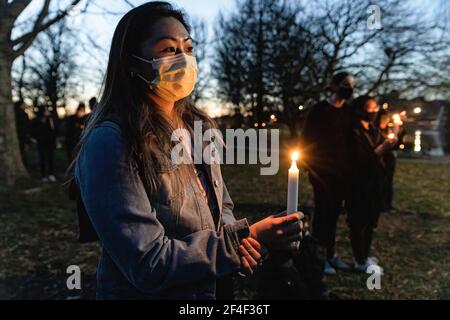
pixel 358 105
pixel 147 131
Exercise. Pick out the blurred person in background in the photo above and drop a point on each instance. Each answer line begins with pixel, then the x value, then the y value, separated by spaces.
pixel 325 142
pixel 389 161
pixel 23 128
pixel 368 148
pixel 92 103
pixel 44 132
pixel 74 127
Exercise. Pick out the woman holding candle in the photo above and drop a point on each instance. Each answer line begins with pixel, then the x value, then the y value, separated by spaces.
pixel 167 230
pixel 364 202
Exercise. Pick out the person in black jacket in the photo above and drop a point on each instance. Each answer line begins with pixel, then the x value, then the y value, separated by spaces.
pixel 325 141
pixel 43 131
pixel 364 203
pixel 23 128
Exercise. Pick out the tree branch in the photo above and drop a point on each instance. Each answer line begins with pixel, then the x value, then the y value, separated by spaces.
pixel 27 39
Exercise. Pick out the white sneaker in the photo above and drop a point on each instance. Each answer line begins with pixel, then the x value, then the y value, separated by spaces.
pixel 373 260
pixel 329 270
pixel 52 178
pixel 369 268
pixel 338 264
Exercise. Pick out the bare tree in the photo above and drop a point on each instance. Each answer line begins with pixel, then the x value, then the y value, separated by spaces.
pixel 51 67
pixel 408 56
pixel 242 67
pixel 200 35
pixel 11 166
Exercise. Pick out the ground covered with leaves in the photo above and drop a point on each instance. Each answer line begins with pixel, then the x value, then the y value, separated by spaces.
pixel 39 236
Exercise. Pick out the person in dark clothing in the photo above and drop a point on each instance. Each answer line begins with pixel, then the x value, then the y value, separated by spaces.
pixel 93 103
pixel 325 147
pixel 74 127
pixel 43 131
pixel 389 160
pixel 364 202
pixel 23 128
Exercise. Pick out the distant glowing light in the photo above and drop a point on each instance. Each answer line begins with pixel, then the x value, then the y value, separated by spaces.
pixel 263 124
pixel 418 141
pixel 391 136
pixel 256 125
pixel 273 117
pixel 301 108
pixel 417 110
pixel 385 106
pixel 402 147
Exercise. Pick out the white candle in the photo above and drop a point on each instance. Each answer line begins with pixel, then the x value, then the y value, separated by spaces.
pixel 391 137
pixel 292 197
pixel 397 123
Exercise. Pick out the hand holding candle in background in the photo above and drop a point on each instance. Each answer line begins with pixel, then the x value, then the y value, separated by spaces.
pixel 397 119
pixel 391 137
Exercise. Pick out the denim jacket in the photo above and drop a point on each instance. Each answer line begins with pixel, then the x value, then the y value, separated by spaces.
pixel 154 247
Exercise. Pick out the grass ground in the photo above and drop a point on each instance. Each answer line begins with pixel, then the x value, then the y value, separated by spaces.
pixel 39 233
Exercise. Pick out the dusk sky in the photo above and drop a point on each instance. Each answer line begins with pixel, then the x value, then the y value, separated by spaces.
pixel 100 26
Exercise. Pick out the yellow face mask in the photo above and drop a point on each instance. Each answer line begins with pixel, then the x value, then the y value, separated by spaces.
pixel 175 77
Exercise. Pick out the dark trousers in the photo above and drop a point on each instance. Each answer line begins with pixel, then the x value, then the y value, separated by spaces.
pixel 22 146
pixel 388 187
pixel 363 211
pixel 46 154
pixel 328 198
pixel 361 241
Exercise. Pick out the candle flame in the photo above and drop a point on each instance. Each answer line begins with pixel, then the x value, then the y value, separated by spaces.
pixel 295 156
pixel 397 119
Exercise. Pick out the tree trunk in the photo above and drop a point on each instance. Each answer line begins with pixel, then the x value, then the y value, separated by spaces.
pixel 11 166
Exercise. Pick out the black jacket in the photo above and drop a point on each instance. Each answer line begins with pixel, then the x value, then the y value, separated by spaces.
pixel 325 142
pixel 364 203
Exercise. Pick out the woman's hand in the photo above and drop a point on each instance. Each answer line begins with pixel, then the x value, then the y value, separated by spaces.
pixel 387 145
pixel 252 254
pixel 278 229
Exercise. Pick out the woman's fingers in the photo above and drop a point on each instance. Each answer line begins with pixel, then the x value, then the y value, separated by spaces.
pixel 246 265
pixel 253 264
pixel 292 218
pixel 293 229
pixel 255 244
pixel 251 250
